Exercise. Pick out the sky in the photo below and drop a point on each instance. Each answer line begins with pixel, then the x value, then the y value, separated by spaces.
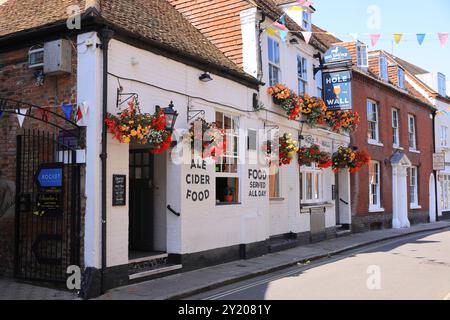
pixel 408 16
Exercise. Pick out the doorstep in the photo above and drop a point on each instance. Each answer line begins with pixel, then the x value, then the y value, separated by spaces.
pixel 142 268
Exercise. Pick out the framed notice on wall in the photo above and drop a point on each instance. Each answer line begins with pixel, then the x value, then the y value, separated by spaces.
pixel 119 190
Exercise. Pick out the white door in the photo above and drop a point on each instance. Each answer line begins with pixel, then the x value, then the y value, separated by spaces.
pixel 432 202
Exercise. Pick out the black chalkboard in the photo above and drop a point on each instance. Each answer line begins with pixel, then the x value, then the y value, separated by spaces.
pixel 119 190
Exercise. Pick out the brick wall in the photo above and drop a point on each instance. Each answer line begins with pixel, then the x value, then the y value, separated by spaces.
pixel 19 83
pixel 364 88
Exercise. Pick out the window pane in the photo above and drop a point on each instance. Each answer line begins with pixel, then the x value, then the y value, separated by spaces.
pixel 309 186
pixel 274 185
pixel 270 44
pixel 277 53
pixel 227 190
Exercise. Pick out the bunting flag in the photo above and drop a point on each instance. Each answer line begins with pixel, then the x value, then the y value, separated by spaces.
pixel 283 35
pixel 443 37
pixel 398 37
pixel 21 113
pixel 354 36
pixel 271 31
pixel 67 109
pixel 374 37
pixel 44 114
pixel 305 3
pixel 280 26
pixel 420 38
pixel 307 35
pixel 295 8
pixel 79 114
pixel 283 20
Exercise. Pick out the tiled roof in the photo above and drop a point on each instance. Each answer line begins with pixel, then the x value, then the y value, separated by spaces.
pixel 413 69
pixel 154 20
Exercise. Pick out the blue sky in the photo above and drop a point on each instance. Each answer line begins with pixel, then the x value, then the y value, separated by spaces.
pixel 409 16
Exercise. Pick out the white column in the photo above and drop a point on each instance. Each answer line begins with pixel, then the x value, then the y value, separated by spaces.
pixel 395 198
pixel 432 201
pixel 402 198
pixel 89 91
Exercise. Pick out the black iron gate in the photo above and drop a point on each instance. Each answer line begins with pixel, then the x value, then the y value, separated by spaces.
pixel 47 206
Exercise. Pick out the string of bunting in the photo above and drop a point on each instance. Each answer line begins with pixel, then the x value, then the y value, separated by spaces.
pixel 67 108
pixel 279 27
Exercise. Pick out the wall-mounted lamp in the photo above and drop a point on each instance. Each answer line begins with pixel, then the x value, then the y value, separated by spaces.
pixel 205 77
pixel 171 116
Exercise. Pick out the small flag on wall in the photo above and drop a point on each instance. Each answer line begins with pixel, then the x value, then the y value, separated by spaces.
pixel 374 38
pixel 21 113
pixel 79 114
pixel 283 19
pixel 443 37
pixel 283 35
pixel 67 109
pixel 280 26
pixel 271 31
pixel 420 38
pixel 295 8
pixel 398 37
pixel 307 35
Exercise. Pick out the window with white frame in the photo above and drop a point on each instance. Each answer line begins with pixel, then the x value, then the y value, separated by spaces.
pixel 302 74
pixel 395 128
pixel 372 121
pixel 227 173
pixel 413 192
pixel 361 55
pixel 444 182
pixel 444 136
pixel 306 21
pixel 274 61
pixel 374 185
pixel 401 78
pixel 319 83
pixel 412 131
pixel 441 85
pixel 383 68
pixel 311 184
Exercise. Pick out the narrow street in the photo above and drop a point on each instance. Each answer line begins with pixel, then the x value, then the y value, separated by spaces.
pixel 413 267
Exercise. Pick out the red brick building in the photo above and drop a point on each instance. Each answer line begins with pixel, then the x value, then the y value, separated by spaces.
pixel 397 130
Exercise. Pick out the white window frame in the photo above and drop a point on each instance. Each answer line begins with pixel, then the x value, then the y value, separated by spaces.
pixel 230 153
pixel 413 187
pixel 274 51
pixel 362 56
pixel 412 132
pixel 306 20
pixel 401 77
pixel 374 186
pixel 444 181
pixel 316 175
pixel 319 83
pixel 395 128
pixel 302 74
pixel 384 74
pixel 444 136
pixel 441 80
pixel 376 123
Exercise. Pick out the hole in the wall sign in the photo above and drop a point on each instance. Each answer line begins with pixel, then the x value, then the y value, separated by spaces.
pixel 119 190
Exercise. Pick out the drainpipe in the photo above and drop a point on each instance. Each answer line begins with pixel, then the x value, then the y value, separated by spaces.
pixel 434 171
pixel 105 37
pixel 259 46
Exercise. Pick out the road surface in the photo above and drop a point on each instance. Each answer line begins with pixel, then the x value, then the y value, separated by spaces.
pixel 413 267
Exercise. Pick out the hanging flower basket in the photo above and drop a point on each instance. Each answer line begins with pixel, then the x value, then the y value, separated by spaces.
pixel 309 155
pixel 211 139
pixel 287 150
pixel 342 121
pixel 346 157
pixel 132 126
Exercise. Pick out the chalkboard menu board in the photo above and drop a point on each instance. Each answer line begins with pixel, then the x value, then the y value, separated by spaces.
pixel 119 189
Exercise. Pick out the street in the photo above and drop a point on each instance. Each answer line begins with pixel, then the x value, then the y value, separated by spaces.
pixel 413 267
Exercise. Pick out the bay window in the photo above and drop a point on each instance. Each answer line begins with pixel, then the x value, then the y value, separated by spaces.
pixel 413 193
pixel 374 185
pixel 227 171
pixel 274 62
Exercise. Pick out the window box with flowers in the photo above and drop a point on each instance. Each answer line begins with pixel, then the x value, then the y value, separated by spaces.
pixel 132 126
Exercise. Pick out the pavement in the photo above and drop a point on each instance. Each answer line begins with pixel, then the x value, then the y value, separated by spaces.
pixel 187 284
pixel 14 290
